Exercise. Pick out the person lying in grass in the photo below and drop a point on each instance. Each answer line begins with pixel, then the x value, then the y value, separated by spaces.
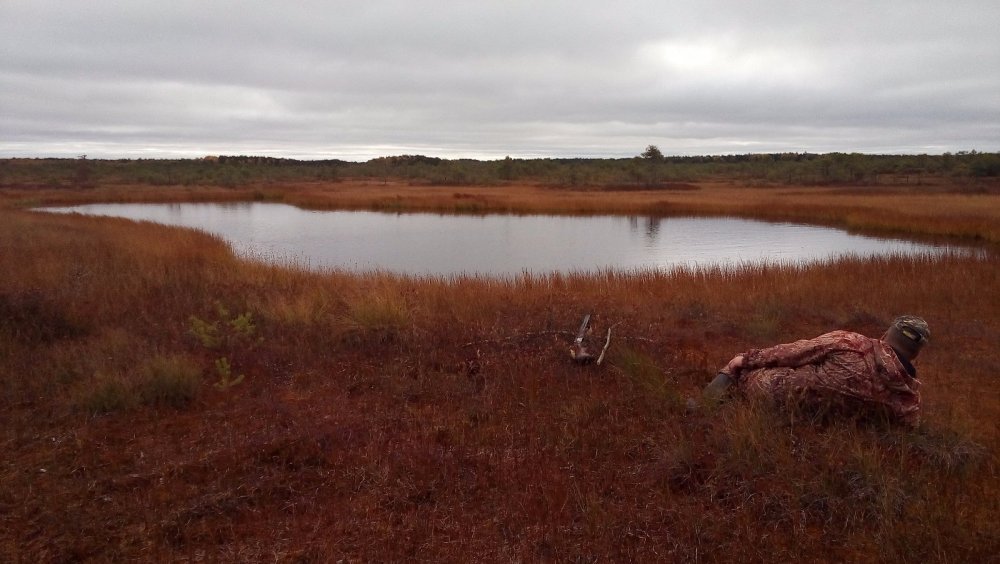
pixel 839 369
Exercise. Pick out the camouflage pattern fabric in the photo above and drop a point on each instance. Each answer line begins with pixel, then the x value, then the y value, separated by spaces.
pixel 840 367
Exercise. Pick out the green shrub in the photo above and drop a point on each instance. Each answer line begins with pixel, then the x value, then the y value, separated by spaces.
pixel 170 380
pixel 206 333
pixel 225 371
pixel 107 395
pixel 225 330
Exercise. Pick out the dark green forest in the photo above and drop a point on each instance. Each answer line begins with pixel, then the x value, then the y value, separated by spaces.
pixel 648 169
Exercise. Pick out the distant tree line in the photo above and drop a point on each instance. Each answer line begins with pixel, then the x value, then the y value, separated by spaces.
pixel 649 169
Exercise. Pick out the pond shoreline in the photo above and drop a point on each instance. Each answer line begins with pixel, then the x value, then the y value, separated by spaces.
pixel 921 212
pixel 503 245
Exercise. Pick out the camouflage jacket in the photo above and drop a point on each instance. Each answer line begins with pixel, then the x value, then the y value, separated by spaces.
pixel 840 366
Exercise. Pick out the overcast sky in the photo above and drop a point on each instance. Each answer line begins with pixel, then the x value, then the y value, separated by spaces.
pixel 485 79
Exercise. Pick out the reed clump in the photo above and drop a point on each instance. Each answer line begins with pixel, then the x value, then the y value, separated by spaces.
pixel 392 418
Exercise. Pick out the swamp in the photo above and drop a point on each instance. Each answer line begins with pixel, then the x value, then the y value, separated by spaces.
pixel 165 398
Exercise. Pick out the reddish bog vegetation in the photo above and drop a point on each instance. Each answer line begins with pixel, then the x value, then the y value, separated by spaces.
pixel 162 400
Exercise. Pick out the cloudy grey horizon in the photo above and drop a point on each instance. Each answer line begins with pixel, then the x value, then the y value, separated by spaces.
pixel 485 80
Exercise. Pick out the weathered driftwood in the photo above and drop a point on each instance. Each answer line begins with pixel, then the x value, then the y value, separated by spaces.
pixel 607 343
pixel 577 351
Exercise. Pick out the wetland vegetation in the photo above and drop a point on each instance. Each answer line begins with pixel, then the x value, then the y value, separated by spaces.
pixel 164 399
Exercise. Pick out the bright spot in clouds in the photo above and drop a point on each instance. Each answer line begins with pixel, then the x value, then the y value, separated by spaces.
pixel 724 61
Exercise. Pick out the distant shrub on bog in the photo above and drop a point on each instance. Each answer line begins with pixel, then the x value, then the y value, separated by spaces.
pixel 170 380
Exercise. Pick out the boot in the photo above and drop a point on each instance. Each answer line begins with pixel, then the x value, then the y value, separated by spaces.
pixel 716 390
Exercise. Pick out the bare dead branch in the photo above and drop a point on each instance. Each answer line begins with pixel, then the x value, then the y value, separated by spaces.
pixel 607 343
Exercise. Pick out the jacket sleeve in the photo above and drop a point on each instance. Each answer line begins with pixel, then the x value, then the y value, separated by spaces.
pixel 788 355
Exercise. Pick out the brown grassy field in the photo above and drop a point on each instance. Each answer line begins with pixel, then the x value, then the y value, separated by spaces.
pixel 163 400
pixel 935 208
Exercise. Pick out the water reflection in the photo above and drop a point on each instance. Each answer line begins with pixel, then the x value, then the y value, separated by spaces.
pixel 502 245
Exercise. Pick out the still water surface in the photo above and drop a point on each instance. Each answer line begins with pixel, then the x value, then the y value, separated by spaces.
pixel 502 245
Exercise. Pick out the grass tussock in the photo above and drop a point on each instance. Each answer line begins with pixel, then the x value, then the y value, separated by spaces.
pixel 172 381
pixel 381 312
pixel 650 382
pixel 182 402
pixel 107 394
pixel 163 381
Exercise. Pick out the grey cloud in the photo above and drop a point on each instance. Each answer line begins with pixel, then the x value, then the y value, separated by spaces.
pixel 456 79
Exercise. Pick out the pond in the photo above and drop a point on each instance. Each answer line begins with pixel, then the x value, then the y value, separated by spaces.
pixel 503 245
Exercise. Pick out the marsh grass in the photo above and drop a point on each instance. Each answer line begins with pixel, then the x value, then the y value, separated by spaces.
pixel 165 381
pixel 380 314
pixel 391 418
pixel 172 381
pixel 107 394
pixel 649 381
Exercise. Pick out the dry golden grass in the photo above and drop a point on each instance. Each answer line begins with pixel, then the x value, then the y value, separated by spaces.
pixel 384 418
pixel 935 209
pixel 930 210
